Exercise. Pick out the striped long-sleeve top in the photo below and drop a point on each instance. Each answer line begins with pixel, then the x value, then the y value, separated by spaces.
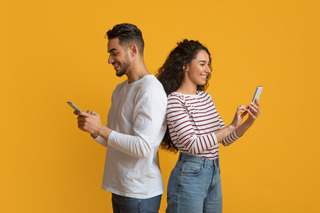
pixel 192 122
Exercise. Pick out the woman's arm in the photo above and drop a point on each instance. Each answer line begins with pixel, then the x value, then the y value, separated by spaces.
pixel 237 120
pixel 182 132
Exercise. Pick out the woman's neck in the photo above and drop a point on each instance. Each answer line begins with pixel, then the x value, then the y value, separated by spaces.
pixel 187 88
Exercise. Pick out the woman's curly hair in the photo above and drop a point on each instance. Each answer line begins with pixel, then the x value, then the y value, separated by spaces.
pixel 172 72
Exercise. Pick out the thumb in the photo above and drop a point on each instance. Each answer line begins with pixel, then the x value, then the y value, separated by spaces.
pixel 92 113
pixel 84 114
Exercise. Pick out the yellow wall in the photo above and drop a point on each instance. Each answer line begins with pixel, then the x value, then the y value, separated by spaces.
pixel 54 51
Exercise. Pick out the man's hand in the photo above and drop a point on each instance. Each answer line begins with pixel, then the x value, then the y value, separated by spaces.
pixel 90 122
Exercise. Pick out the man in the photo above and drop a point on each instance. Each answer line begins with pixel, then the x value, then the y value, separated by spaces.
pixel 136 126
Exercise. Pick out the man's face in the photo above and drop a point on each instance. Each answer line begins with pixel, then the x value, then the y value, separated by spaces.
pixel 119 57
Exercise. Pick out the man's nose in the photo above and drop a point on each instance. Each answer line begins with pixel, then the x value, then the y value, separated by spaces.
pixel 110 59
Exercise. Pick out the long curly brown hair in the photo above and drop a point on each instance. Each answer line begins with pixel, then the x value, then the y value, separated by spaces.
pixel 172 72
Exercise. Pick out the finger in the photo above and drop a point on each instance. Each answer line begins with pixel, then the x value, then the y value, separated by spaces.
pixel 94 113
pixel 254 106
pixel 252 113
pixel 253 109
pixel 90 112
pixel 81 118
pixel 257 102
pixel 84 114
pixel 242 107
pixel 80 121
pixel 244 113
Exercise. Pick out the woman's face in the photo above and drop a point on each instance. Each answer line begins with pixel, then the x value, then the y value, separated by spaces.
pixel 198 70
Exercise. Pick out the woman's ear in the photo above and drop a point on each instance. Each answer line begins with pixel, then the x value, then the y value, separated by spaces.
pixel 185 67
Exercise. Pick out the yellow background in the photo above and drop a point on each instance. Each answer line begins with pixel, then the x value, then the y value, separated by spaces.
pixel 55 51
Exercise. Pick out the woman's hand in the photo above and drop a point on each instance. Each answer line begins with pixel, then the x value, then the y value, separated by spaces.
pixel 242 110
pixel 253 111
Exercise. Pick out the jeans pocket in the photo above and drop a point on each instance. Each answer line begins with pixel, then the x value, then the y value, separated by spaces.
pixel 190 168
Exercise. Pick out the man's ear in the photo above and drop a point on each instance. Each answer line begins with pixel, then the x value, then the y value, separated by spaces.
pixel 133 49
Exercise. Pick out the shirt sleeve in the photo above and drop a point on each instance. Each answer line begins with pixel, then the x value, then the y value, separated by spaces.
pixel 149 121
pixel 101 141
pixel 232 137
pixel 182 133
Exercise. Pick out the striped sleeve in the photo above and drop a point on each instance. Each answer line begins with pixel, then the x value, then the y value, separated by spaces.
pixel 230 138
pixel 181 130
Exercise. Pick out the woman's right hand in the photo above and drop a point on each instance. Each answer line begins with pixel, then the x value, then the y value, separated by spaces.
pixel 240 113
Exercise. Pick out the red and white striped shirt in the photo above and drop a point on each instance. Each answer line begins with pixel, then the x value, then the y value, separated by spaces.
pixel 192 121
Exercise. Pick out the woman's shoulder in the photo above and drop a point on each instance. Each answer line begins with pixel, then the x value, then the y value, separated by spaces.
pixel 203 93
pixel 204 96
pixel 176 98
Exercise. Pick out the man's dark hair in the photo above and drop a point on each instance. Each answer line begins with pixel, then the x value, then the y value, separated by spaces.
pixel 127 34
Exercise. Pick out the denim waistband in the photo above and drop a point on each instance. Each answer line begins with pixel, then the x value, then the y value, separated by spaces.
pixel 200 160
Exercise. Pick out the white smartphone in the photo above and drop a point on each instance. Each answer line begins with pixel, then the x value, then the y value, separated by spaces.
pixel 257 93
pixel 74 106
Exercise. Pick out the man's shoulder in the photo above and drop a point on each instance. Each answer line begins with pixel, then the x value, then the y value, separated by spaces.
pixel 151 83
pixel 150 80
pixel 121 84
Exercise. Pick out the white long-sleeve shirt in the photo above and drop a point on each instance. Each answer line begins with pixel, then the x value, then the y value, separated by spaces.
pixel 137 118
pixel 192 121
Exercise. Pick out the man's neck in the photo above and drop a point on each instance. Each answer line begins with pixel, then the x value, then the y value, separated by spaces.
pixel 137 72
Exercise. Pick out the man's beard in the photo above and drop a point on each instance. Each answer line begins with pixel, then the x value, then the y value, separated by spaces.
pixel 124 69
pixel 125 66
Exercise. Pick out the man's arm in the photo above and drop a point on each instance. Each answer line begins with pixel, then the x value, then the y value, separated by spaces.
pixel 149 117
pixel 90 122
pixel 148 127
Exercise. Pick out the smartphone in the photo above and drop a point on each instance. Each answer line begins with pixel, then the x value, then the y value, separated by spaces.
pixel 74 106
pixel 257 93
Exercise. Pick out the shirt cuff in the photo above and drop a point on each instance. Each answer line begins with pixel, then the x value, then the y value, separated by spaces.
pixel 234 135
pixel 100 140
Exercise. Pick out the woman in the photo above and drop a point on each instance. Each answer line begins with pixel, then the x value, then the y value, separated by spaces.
pixel 195 129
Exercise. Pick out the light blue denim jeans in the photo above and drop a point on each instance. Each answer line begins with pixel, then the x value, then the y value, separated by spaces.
pixel 123 204
pixel 195 186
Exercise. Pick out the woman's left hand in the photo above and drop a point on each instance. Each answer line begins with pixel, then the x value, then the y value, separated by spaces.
pixel 253 111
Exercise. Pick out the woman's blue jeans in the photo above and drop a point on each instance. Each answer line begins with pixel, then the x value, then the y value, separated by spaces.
pixel 195 186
